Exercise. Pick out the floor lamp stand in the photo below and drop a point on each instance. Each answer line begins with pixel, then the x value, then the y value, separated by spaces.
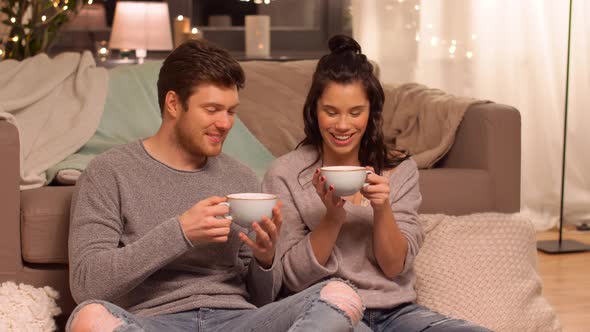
pixel 562 246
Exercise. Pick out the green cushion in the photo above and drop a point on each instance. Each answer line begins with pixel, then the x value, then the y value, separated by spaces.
pixel 131 112
pixel 242 145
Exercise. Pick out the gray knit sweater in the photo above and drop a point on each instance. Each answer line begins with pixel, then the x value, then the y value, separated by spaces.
pixel 352 257
pixel 126 245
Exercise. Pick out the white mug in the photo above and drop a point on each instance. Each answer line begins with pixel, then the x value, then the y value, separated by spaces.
pixel 245 208
pixel 346 180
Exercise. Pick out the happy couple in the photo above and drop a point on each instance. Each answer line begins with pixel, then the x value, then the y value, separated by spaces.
pixel 152 248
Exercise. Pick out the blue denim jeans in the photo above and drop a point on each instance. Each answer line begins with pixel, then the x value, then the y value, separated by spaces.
pixel 412 317
pixel 304 311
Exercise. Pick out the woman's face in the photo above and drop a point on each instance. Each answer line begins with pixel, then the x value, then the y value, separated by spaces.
pixel 343 114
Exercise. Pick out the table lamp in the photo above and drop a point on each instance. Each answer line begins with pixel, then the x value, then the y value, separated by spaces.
pixel 141 26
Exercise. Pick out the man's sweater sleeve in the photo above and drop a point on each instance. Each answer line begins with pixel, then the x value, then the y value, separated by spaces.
pixel 263 284
pixel 100 268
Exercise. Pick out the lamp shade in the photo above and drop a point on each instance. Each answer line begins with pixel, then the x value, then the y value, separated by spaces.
pixel 89 18
pixel 141 25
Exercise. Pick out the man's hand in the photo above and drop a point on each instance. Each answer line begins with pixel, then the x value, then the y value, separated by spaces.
pixel 201 223
pixel 267 236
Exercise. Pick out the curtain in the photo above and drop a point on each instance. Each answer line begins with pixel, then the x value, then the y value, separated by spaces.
pixel 510 52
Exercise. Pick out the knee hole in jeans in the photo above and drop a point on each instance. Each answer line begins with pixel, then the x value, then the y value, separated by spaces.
pixel 94 317
pixel 344 297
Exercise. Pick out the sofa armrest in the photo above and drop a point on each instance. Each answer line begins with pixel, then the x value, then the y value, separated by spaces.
pixel 489 139
pixel 10 261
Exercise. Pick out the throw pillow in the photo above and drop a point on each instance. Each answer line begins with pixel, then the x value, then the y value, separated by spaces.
pixel 482 268
pixel 26 308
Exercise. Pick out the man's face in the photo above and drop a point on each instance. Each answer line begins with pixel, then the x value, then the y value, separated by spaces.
pixel 202 128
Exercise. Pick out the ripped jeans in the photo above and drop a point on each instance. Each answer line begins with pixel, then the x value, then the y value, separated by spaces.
pixel 305 311
pixel 411 317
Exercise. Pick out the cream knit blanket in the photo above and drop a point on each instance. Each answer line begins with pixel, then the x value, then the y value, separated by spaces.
pixel 56 104
pixel 422 120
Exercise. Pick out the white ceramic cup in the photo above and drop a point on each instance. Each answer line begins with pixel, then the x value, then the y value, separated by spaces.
pixel 245 208
pixel 346 180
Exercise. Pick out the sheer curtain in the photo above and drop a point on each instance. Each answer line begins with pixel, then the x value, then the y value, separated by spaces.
pixel 511 52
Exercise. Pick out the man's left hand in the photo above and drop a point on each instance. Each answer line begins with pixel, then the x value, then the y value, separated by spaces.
pixel 267 236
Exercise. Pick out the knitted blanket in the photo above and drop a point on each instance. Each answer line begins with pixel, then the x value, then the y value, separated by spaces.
pixel 56 105
pixel 422 121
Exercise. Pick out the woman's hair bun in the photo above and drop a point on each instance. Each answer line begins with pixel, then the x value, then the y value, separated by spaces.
pixel 341 44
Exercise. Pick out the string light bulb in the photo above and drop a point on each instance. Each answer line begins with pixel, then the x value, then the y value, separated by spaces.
pixel 15 39
pixel 194 31
pixel 434 40
pixel 90 2
pixel 12 19
pixel 65 7
pixel 43 18
pixel 180 18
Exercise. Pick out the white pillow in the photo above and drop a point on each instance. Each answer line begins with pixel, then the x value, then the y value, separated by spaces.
pixel 482 268
pixel 27 308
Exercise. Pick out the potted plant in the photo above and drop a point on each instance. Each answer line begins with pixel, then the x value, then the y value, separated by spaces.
pixel 33 25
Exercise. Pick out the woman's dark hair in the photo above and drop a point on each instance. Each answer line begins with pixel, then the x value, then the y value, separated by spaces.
pixel 194 63
pixel 345 65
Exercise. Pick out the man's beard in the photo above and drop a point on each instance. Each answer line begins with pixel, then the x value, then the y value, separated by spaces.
pixel 186 141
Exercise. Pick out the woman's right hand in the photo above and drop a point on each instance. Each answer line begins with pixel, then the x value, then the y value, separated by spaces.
pixel 334 204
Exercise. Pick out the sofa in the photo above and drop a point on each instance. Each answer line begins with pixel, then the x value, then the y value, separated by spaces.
pixel 480 173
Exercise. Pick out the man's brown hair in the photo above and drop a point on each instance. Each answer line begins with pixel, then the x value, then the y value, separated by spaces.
pixel 194 63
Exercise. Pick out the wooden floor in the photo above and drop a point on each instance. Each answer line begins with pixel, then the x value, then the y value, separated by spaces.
pixel 566 282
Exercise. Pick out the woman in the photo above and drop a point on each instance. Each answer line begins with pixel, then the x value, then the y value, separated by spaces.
pixel 372 237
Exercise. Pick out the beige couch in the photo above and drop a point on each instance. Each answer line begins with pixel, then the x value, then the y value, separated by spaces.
pixel 480 173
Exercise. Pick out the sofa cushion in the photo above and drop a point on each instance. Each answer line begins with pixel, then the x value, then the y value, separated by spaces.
pixel 482 268
pixel 45 215
pixel 131 112
pixel 457 191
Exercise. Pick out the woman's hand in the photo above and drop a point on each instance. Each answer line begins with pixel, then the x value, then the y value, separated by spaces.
pixel 377 190
pixel 334 204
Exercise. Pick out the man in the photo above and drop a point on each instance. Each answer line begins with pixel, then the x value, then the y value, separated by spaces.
pixel 150 249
